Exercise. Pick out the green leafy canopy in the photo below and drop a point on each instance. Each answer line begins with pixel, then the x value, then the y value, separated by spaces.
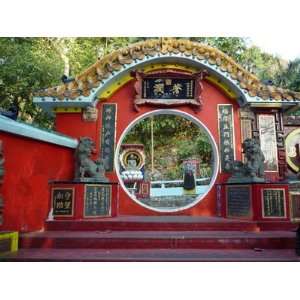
pixel 29 64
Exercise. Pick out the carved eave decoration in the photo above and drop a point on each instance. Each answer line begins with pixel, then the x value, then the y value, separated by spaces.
pixel 191 95
pixel 85 87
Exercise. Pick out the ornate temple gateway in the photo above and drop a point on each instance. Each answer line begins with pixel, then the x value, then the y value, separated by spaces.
pixel 88 175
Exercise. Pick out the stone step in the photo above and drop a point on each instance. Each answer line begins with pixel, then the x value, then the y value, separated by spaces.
pixel 159 240
pixel 147 255
pixel 165 223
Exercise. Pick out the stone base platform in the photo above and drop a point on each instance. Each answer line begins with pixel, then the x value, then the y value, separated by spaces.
pixel 152 255
pixel 153 223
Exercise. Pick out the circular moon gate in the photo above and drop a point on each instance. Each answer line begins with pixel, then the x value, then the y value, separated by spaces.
pixel 200 125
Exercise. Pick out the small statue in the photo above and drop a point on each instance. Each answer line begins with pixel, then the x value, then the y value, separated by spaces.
pixel 189 180
pixel 90 114
pixel 132 162
pixel 253 169
pixel 87 169
pixel 132 171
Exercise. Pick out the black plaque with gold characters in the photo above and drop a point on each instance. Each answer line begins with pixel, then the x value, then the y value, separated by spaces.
pixel 168 88
pixel 97 200
pixel 63 202
pixel 273 203
pixel 225 116
pixel 107 146
pixel 239 201
pixel 295 206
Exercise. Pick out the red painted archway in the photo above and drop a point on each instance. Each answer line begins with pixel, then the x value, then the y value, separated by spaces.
pixel 73 125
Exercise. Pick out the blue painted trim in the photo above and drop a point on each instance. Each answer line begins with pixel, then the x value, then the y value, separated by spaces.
pixel 48 103
pixel 29 131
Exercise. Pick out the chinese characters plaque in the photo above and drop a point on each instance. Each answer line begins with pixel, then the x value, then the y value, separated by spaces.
pixel 225 115
pixel 238 201
pixel 268 143
pixel 97 200
pixel 273 203
pixel 108 135
pixel 63 202
pixel 168 88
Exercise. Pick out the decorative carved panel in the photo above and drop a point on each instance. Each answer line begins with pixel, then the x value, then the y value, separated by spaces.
pixel 279 130
pixel 247 118
pixel 268 143
pixel 168 88
pixel 292 147
pixel 90 114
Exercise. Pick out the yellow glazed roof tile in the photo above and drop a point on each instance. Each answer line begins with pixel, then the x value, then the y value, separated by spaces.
pixel 103 68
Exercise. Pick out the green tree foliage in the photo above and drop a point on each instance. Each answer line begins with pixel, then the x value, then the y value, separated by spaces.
pixel 232 46
pixel 264 65
pixel 29 64
pixel 290 77
pixel 26 64
pixel 172 138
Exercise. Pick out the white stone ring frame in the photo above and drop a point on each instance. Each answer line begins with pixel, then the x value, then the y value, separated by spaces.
pixel 186 116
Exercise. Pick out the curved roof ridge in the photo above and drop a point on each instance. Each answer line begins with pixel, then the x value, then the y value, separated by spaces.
pixel 93 76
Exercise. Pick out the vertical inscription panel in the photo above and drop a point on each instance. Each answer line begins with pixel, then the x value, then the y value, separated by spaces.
pixel 107 138
pixel 219 200
pixel 273 203
pixel 295 206
pixel 97 200
pixel 246 131
pixel 225 118
pixel 268 143
pixel 63 202
pixel 239 201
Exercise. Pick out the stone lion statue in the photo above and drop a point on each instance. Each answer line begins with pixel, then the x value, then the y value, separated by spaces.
pixel 253 169
pixel 87 169
pixel 254 158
